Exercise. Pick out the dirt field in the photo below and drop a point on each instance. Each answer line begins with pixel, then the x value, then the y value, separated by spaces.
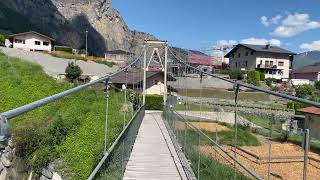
pixel 207 126
pixel 283 170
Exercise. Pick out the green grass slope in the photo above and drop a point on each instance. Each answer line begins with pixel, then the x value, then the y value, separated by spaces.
pixel 71 129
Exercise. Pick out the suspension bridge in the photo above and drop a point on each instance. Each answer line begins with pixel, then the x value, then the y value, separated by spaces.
pixel 171 144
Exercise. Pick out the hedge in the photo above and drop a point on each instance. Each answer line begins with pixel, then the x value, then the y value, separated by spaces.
pixel 154 102
pixel 64 49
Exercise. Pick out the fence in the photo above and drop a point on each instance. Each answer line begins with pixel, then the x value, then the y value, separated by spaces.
pixel 247 130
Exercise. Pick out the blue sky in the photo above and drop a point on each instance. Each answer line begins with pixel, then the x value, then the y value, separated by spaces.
pixel 203 24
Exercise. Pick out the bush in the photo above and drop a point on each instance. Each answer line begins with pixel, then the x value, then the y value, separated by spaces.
pixel 108 63
pixel 64 49
pixel 67 55
pixel 262 76
pixel 304 91
pixel 317 85
pixel 236 74
pixel 295 106
pixel 2 40
pixel 253 77
pixel 269 81
pixel 41 158
pixel 73 72
pixel 154 102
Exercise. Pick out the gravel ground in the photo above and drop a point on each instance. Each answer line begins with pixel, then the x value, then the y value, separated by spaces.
pixel 56 66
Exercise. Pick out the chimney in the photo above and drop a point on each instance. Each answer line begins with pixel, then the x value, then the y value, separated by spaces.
pixel 267 46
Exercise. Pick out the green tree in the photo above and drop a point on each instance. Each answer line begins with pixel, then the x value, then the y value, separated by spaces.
pixel 2 40
pixel 269 81
pixel 317 85
pixel 304 91
pixel 253 77
pixel 73 72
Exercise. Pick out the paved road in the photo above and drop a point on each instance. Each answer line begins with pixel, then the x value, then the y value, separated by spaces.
pixel 153 156
pixel 55 66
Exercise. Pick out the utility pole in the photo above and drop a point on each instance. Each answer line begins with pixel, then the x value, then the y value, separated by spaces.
pixel 86 43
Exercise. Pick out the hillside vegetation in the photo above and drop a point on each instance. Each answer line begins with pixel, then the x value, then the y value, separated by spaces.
pixel 71 129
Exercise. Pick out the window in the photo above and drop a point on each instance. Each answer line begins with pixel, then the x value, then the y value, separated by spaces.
pixel 261 62
pixel 239 55
pixel 246 63
pixel 19 41
pixel 252 52
pixel 281 63
pixel 247 53
pixel 46 43
pixel 271 63
pixel 232 55
pixel 267 63
pixel 236 64
pixel 37 43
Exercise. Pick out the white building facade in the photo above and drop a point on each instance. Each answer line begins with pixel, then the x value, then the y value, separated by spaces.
pixel 32 41
pixel 273 61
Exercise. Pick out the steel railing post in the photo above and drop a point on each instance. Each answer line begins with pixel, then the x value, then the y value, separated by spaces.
pixel 306 151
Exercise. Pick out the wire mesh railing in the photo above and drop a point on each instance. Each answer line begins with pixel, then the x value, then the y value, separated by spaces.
pixel 113 165
pixel 252 124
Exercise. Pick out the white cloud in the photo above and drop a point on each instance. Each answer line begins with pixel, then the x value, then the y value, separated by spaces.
pixel 261 41
pixel 226 43
pixel 313 46
pixel 276 19
pixel 267 22
pixel 264 21
pixel 294 24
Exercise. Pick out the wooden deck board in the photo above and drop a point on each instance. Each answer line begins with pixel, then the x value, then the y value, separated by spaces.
pixel 153 155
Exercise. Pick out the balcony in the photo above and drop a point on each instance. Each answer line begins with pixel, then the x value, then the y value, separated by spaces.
pixel 267 66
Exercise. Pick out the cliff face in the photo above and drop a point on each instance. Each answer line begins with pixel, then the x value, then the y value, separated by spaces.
pixel 67 21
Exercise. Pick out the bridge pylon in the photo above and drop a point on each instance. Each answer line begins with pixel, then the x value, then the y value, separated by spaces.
pixel 155 59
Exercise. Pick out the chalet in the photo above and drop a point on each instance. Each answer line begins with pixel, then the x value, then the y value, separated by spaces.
pixel 312 120
pixel 134 80
pixel 32 41
pixel 273 61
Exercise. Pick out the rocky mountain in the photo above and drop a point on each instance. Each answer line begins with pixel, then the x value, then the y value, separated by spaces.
pixel 306 58
pixel 67 21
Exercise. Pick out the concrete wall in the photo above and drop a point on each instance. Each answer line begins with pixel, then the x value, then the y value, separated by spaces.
pixel 312 122
pixel 29 43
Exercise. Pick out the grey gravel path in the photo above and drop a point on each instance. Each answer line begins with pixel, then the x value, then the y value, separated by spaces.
pixel 56 66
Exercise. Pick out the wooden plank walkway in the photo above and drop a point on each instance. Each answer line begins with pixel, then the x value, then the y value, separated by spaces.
pixel 153 155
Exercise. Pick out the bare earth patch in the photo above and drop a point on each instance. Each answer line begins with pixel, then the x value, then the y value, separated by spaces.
pixel 207 126
pixel 286 169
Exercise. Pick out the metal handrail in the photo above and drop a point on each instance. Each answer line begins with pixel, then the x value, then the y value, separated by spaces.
pixel 220 147
pixel 34 105
pixel 293 98
pixel 107 154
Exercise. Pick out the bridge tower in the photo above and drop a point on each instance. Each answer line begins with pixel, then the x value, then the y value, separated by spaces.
pixel 155 59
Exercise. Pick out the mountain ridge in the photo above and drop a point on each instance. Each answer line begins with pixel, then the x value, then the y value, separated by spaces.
pixel 67 21
pixel 306 59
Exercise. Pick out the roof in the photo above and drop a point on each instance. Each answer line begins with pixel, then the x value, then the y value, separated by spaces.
pixel 133 77
pixel 310 110
pixel 119 51
pixel 262 48
pixel 32 32
pixel 308 69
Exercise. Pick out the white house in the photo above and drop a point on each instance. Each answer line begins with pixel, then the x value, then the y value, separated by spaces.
pixel 273 61
pixel 32 41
